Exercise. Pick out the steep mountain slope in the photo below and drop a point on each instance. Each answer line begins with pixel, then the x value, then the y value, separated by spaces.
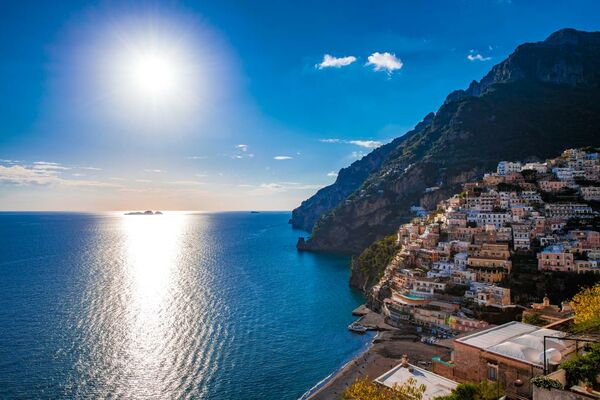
pixel 348 180
pixel 543 98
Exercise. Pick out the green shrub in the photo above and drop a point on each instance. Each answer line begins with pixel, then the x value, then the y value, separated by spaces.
pixel 584 368
pixel 546 383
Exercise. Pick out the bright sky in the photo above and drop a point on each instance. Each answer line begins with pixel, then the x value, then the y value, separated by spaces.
pixel 230 105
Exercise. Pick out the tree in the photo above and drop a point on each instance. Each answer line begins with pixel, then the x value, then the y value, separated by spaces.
pixel 366 389
pixel 584 368
pixel 586 305
pixel 483 390
pixel 534 319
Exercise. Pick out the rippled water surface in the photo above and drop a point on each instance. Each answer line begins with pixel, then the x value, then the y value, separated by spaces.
pixel 208 306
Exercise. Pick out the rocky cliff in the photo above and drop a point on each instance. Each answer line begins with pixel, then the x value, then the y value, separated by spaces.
pixel 543 98
pixel 349 179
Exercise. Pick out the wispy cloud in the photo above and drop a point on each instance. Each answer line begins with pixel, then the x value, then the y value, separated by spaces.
pixel 242 152
pixel 369 144
pixel 332 174
pixel 45 165
pixel 44 173
pixel 155 171
pixel 197 157
pixel 385 62
pixel 475 56
pixel 186 183
pixel 330 61
pixel 332 141
pixel 281 158
pixel 278 187
pixel 273 187
pixel 358 154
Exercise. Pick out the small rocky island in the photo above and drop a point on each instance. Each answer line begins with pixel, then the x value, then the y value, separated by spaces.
pixel 147 212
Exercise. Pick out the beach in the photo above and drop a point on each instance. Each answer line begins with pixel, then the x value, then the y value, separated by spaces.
pixel 383 354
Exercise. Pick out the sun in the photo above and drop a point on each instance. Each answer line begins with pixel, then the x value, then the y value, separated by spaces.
pixel 154 74
pixel 152 70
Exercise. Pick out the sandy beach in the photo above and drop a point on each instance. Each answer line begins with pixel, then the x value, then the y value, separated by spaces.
pixel 384 353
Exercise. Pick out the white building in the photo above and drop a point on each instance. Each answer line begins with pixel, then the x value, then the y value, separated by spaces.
pixel 531 196
pixel 521 237
pixel 563 174
pixel 568 210
pixel 441 269
pixel 540 168
pixel 460 260
pixel 506 167
pixel 498 219
pixel 590 193
pixel 436 385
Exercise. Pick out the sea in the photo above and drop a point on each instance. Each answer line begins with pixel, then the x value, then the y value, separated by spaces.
pixel 174 306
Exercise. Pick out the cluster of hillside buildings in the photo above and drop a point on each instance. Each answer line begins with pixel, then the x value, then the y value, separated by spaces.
pixel 470 240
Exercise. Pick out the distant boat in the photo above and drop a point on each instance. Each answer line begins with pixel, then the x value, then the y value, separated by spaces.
pixel 254 212
pixel 147 212
pixel 354 327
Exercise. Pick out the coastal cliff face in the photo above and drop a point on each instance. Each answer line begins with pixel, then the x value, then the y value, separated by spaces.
pixel 542 98
pixel 349 179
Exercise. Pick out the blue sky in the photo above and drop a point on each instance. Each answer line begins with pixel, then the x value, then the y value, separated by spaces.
pixel 258 119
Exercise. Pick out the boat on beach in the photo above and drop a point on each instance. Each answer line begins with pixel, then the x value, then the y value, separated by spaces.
pixel 357 328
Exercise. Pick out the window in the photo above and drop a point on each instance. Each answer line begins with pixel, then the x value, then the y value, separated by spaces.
pixel 492 372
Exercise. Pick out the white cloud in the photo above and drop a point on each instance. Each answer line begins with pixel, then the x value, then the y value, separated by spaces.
pixel 91 168
pixel 477 56
pixel 186 183
pixel 43 173
pixel 197 157
pixel 45 165
pixel 242 152
pixel 272 186
pixel 385 62
pixel 331 141
pixel 330 61
pixel 155 171
pixel 278 187
pixel 280 158
pixel 369 144
pixel 358 154
pixel 332 174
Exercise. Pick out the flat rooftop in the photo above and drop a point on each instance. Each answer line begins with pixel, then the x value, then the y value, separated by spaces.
pixel 519 341
pixel 435 384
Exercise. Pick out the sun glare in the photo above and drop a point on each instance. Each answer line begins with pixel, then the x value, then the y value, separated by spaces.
pixel 154 74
